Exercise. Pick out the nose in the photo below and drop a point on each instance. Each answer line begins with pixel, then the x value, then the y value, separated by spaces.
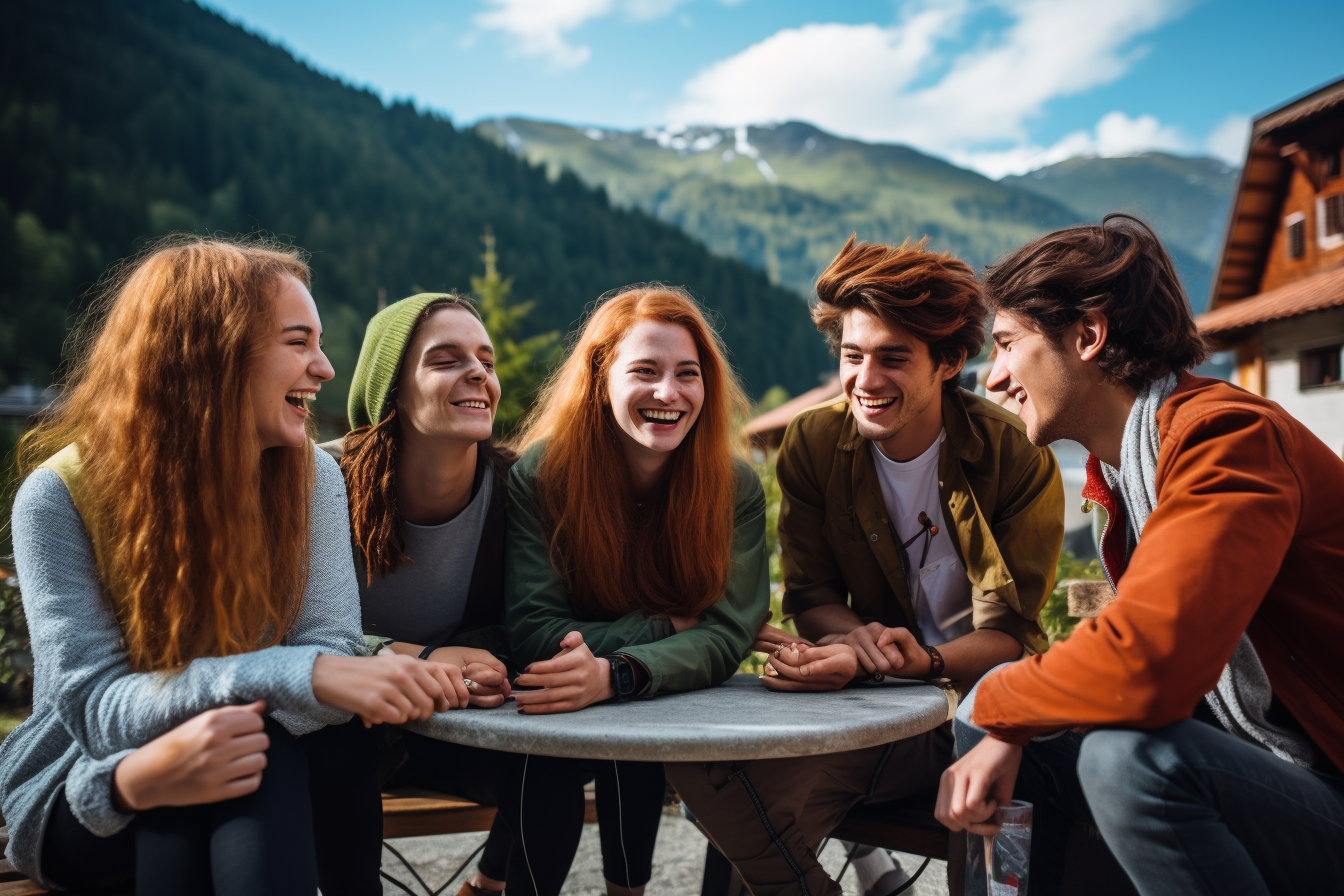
pixel 868 379
pixel 321 368
pixel 997 380
pixel 666 390
pixel 476 371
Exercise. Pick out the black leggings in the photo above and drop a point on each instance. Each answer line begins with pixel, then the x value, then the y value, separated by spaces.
pixel 540 798
pixel 270 841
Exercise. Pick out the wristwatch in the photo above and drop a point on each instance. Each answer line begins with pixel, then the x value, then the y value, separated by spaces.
pixel 622 677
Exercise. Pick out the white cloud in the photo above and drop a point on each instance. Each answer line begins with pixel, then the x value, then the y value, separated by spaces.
pixel 539 27
pixel 905 84
pixel 1116 134
pixel 1228 140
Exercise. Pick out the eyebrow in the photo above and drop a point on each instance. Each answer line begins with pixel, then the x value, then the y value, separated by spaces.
pixel 889 347
pixel 997 334
pixel 302 328
pixel 685 363
pixel 453 346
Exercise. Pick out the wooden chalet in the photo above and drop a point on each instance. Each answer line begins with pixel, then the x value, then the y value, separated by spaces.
pixel 767 430
pixel 1278 291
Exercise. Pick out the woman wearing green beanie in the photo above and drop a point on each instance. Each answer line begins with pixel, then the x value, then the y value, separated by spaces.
pixel 427 499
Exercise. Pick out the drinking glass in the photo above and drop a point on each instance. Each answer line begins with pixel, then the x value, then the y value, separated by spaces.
pixel 997 865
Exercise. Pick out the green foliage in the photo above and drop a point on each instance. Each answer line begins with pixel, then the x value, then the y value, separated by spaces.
pixel 773 398
pixel 16 660
pixel 520 365
pixel 1055 618
pixel 122 121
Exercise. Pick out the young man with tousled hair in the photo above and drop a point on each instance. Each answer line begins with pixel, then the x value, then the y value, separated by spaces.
pixel 920 533
pixel 1202 713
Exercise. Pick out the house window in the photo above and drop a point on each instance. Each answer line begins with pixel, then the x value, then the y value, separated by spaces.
pixel 1330 216
pixel 1295 226
pixel 1321 366
pixel 1332 165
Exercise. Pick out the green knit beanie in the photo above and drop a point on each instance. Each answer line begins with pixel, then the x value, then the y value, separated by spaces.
pixel 385 343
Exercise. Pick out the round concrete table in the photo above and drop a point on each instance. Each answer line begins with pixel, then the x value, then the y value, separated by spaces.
pixel 739 719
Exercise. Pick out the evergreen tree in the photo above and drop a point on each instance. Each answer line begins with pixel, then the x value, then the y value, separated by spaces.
pixel 519 365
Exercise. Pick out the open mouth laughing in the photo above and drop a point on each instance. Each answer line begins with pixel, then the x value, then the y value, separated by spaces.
pixel 299 399
pixel 661 417
pixel 875 402
pixel 475 404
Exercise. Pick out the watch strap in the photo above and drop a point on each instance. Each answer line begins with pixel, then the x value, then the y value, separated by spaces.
pixel 936 663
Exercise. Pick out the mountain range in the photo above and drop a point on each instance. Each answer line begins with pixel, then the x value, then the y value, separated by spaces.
pixel 124 121
pixel 784 197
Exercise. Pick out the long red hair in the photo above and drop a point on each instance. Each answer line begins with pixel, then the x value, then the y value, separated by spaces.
pixel 201 537
pixel 674 554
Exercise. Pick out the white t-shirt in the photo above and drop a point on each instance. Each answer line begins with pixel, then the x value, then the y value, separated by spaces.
pixel 943 590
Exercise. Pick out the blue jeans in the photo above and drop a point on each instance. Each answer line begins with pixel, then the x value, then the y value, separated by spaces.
pixel 1186 809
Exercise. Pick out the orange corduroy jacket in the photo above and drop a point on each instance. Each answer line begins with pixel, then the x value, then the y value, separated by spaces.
pixel 1247 536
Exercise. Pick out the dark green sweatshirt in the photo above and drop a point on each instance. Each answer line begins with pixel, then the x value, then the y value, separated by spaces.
pixel 538 613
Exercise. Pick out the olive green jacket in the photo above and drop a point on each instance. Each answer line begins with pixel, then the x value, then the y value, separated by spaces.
pixel 1002 496
pixel 538 612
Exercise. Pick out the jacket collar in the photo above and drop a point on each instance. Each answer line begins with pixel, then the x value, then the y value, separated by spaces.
pixel 962 439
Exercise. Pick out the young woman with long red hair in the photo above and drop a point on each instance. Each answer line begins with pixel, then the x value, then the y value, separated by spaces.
pixel 185 561
pixel 635 565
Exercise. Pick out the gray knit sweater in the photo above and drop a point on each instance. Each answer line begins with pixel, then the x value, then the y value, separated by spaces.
pixel 90 710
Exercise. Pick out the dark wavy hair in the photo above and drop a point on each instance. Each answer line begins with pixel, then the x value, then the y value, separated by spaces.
pixel 931 294
pixel 1117 268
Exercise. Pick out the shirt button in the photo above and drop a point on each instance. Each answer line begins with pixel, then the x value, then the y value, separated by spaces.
pixel 872 537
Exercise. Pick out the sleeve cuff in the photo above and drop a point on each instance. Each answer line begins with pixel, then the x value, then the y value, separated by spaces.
pixel 88 789
pixel 808 597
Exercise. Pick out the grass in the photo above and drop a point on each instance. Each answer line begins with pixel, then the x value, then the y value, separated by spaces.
pixel 10 719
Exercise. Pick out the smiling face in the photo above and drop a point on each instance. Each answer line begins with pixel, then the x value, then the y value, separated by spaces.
pixel 893 387
pixel 289 369
pixel 655 390
pixel 448 387
pixel 1039 374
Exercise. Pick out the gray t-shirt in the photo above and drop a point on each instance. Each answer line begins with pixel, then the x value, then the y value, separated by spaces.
pixel 422 602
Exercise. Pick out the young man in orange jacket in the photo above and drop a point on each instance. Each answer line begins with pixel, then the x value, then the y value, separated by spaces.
pixel 1203 710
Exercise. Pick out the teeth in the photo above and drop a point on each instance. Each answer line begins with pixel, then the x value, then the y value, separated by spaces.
pixel 671 416
pixel 302 395
pixel 874 402
pixel 471 404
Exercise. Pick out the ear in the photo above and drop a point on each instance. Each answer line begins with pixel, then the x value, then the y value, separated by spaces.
pixel 952 367
pixel 1092 329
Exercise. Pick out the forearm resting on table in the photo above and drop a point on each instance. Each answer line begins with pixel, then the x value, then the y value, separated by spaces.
pixel 970 656
pixel 817 623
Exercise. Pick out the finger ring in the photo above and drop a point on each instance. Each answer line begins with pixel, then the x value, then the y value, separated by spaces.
pixel 468 683
pixel 877 676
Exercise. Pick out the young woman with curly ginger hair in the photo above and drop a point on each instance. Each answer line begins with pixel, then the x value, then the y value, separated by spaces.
pixel 635 564
pixel 185 563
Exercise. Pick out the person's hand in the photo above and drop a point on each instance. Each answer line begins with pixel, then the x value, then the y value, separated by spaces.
pixel 769 638
pixel 489 676
pixel 977 784
pixel 216 756
pixel 826 668
pixel 387 689
pixel 569 681
pixel 682 623
pixel 890 651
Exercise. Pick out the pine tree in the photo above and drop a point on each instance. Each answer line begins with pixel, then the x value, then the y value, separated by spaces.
pixel 519 365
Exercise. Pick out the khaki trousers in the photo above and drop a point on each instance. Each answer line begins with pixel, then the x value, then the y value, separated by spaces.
pixel 767 816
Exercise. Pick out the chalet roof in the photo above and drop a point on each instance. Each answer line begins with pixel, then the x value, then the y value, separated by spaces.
pixel 774 421
pixel 1261 190
pixel 1321 290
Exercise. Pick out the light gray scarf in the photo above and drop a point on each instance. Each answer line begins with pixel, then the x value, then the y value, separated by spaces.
pixel 1242 696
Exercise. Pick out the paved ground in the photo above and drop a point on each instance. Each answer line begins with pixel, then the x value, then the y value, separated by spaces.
pixel 678 862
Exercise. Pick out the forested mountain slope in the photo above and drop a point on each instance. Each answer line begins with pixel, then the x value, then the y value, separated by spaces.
pixel 120 121
pixel 1186 199
pixel 785 197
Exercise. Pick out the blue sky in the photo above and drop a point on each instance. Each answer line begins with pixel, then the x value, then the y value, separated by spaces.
pixel 1000 85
